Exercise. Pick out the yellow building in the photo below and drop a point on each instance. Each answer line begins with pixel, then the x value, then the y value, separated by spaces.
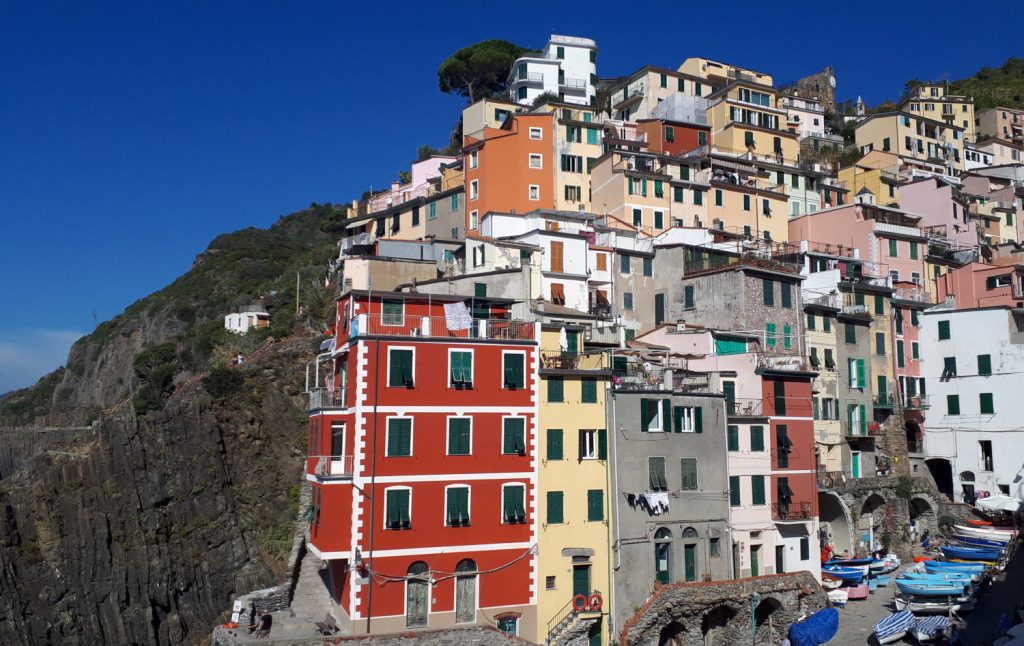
pixel 485 113
pixel 722 73
pixel 578 144
pixel 878 172
pixel 935 102
pixel 744 120
pixel 636 188
pixel 821 329
pixel 749 205
pixel 573 483
pixel 927 144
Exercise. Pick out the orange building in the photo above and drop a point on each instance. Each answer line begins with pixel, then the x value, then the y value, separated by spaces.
pixel 511 168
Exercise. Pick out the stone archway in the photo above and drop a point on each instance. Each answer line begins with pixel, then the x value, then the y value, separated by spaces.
pixel 715 624
pixel 673 634
pixel 764 627
pixel 924 516
pixel 836 524
pixel 870 521
pixel 941 471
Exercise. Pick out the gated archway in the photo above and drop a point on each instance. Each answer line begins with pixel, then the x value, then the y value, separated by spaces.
pixel 836 524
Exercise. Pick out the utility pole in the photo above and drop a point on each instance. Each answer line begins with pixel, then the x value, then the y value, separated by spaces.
pixel 296 294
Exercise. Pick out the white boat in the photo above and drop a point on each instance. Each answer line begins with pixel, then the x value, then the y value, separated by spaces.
pixel 838 597
pixel 894 627
pixel 986 532
pixel 930 628
pixel 919 607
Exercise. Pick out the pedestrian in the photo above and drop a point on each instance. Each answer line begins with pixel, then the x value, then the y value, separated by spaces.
pixel 266 621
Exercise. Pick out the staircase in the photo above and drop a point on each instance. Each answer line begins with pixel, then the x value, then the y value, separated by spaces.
pixel 570 627
pixel 312 599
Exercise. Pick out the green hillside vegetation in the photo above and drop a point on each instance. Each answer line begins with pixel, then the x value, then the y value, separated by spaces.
pixel 996 86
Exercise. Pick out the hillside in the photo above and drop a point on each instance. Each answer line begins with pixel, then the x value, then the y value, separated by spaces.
pixel 996 86
pixel 166 490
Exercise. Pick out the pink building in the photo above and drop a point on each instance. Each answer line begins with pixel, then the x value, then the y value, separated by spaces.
pixel 941 209
pixel 908 301
pixel 978 285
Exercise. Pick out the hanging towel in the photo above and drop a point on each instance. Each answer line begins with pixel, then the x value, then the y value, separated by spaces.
pixel 457 317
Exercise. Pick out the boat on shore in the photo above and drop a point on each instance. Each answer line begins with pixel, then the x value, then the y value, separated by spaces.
pixel 975 570
pixel 951 577
pixel 847 574
pixel 930 588
pixel 830 581
pixel 894 627
pixel 970 553
pixel 985 532
pixel 929 629
pixel 838 597
pixel 977 541
pixel 860 591
pixel 928 606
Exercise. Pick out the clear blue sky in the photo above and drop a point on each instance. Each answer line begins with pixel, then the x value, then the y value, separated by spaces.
pixel 132 133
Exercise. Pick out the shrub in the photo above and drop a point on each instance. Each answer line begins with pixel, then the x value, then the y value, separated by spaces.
pixel 222 382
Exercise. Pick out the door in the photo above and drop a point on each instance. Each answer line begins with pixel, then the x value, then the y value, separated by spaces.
pixel 465 592
pixel 661 552
pixel 337 447
pixel 572 343
pixel 729 390
pixel 594 634
pixel 780 559
pixel 581 580
pixel 755 560
pixel 659 309
pixel 690 561
pixel 855 466
pixel 416 592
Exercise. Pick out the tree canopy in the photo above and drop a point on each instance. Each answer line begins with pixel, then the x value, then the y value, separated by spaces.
pixel 481 70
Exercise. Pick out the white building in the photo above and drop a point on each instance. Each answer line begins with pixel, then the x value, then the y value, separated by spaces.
pixel 975 433
pixel 567 68
pixel 804 117
pixel 252 319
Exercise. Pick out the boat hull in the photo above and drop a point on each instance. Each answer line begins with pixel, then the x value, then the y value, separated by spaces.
pixel 970 553
pixel 925 588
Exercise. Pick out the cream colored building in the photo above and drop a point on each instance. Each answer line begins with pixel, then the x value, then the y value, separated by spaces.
pixel 639 95
pixel 745 121
pixel 577 145
pixel 934 101
pixel 879 172
pixel 721 74
pixel 926 144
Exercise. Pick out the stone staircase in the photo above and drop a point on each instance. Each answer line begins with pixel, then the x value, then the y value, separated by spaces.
pixel 572 631
pixel 311 599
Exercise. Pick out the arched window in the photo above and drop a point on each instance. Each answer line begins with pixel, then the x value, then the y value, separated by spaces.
pixel 690 532
pixel 967 476
pixel 417 592
pixel 662 555
pixel 465 591
pixel 690 538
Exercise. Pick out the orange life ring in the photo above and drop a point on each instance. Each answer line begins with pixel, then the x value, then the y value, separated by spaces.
pixel 579 602
pixel 596 602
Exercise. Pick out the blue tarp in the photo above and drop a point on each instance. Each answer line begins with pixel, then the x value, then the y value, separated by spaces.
pixel 817 629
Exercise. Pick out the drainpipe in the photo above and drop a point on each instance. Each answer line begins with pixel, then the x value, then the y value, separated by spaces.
pixel 373 490
pixel 615 483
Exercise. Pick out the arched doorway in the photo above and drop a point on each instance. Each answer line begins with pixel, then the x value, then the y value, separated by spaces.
pixel 922 517
pixel 836 529
pixel 673 634
pixel 715 623
pixel 872 514
pixel 967 492
pixel 465 591
pixel 690 539
pixel 663 555
pixel 417 592
pixel 942 473
pixel 764 628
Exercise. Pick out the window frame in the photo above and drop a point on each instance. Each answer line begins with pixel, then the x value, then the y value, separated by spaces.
pixel 384 515
pixel 501 509
pixel 472 368
pixel 536 131
pixel 531 157
pixel 504 381
pixel 469 504
pixel 403 348
pixel 448 436
pixel 387 435
pixel 504 420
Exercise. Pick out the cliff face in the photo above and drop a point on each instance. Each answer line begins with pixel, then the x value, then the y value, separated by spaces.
pixel 141 529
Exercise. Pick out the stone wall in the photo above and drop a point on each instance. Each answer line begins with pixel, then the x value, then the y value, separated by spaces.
pixel 476 636
pixel 725 612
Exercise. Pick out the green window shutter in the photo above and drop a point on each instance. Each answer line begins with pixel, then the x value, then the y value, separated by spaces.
pixel 666 415
pixel 677 194
pixel 757 438
pixel 595 505
pixel 943 330
pixel 602 444
pixel 862 379
pixel 458 436
pixel 677 418
pixel 399 436
pixel 643 186
pixel 462 368
pixel 392 312
pixel 554 437
pixel 826 324
pixel 952 404
pixel 656 473
pixel 986 404
pixel 915 351
pixel 893 248
pixel 746 202
pixel 900 360
pixel 882 388
pixel 588 390
pixel 457 511
pixel 480 290
pixel 851 333
pixel 913 251
pixel 514 436
pixel 400 371
pixel 898 318
pixel 787 337
pixel 556 388
pixel 949 366
pixel 768 289
pixel 688 468
pixel 787 294
pixel 858 298
pixel 879 305
pixel 515 375
pixel 402 504
pixel 555 512
pixel 863 420
pixel 734 491
pixel 698 419
pixel 984 364
pixel 733 437
pixel 769 335
pixel 849 419
pixel 757 489
pixel 780 397
pixel 391 508
pixel 698 197
pixel 718 197
pixel 648 409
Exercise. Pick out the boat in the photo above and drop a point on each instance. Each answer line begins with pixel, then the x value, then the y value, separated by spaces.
pixel 860 591
pixel 838 597
pixel 925 607
pixel 851 562
pixel 977 541
pixel 830 582
pixel 947 567
pixel 884 566
pixel 894 627
pixel 930 628
pixel 815 630
pixel 970 553
pixel 930 588
pixel 872 584
pixel 849 575
pixel 956 577
pixel 883 580
pixel 977 522
pixel 985 532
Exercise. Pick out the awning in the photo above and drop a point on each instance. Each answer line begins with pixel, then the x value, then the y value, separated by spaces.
pixel 602 297
pixel 356 225
pixel 998 502
pixel 558 293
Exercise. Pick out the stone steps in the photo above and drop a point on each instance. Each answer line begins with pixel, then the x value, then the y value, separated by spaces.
pixel 311 598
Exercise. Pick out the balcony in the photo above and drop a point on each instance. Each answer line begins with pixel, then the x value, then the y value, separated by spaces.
pixel 832 301
pixel 637 378
pixel 691 382
pixel 334 467
pixel 783 362
pixel 915 446
pixel 912 295
pixel 601 310
pixel 897 229
pixel 744 407
pixel 326 398
pixel 791 510
pixel 558 360
pixel 916 402
pixel 437 327
pixel 530 78
pixel 884 400
pixel 571 84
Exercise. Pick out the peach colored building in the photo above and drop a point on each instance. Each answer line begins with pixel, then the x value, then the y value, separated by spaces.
pixel 1004 123
pixel 979 285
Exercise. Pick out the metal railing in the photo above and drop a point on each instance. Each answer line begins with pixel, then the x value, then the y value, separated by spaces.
pixel 744 407
pixel 437 327
pixel 791 510
pixel 916 402
pixel 573 83
pixel 334 466
pixel 601 310
pixel 326 398
pixel 565 616
pixel 560 360
pixel 885 400
pixel 829 479
pixel 635 377
pixel 691 382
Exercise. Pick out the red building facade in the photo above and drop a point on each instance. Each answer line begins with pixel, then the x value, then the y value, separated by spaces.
pixel 422 462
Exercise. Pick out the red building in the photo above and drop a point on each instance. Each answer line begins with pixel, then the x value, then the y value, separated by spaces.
pixel 422 459
pixel 674 137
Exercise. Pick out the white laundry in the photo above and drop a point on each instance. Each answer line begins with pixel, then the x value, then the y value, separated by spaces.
pixel 657 502
pixel 457 317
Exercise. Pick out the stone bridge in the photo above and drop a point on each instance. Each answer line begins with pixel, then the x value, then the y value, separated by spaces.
pixel 725 612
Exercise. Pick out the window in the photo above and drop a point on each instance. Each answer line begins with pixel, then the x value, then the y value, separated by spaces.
pixel 670 134
pixel 656 474
pixel 688 300
pixel 787 294
pixel 787 337
pixel 659 220
pixel 474 219
pixel 627 300
pixel 782 445
pixel 952 404
pixel 757 438
pixel 572 163
pixel 556 389
pixel 985 404
pixel 811 318
pixel 624 264
pixel 768 290
pixel 879 305
pixel 456 506
pixel 689 471
pixel 400 368
pixel 746 202
pixel 851 333
pixel 560 53
pixel 943 330
pixel 554 442
pixel 460 436
pixel 915 318
pixel 984 364
pixel 702 137
pixel 509 625
pixel 592 135
pixel 474 186
pixel 555 515
pixel 638 218
pixel 880 344
pixel 514 436
pixel 698 197
pixel 588 390
pixel 399 437
pixel 893 248
pixel 886 145
pixel 948 367
pixel 913 251
pixel 588 445
pixel 574 134
pixel 648 266
pixel 460 368
pixel 718 197
pixel 678 192
pixel 805 549
pixel 397 508
pixel 595 505
pixel 826 324
pixel 536 133
pixel 549 583
pixel 780 397
pixel 650 415
pixel 514 371
pixel 513 508
pixel 688 419
pixel 734 491
pixel 769 335
pixel 757 490
pixel 748 138
pixel 536 161
pixel 534 192
pixel 985 455
pixel 733 437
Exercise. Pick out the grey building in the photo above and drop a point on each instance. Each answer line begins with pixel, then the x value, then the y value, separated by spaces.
pixel 670 481
pixel 853 350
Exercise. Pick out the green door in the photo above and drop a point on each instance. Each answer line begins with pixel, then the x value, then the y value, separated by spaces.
pixel 661 551
pixel 729 390
pixel 581 580
pixel 856 465
pixel 594 635
pixel 659 309
pixel 755 560
pixel 690 561
pixel 572 342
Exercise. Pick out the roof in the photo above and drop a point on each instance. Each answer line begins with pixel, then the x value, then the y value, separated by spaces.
pixel 898 113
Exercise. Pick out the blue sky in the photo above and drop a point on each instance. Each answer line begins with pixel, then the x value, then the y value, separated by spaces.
pixel 133 133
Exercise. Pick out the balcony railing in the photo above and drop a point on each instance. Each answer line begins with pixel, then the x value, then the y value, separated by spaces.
pixel 791 510
pixel 885 400
pixel 573 83
pixel 326 398
pixel 744 407
pixel 333 466
pixel 912 294
pixel 558 360
pixel 635 377
pixel 829 479
pixel 916 402
pixel 781 361
pixel 601 310
pixel 437 327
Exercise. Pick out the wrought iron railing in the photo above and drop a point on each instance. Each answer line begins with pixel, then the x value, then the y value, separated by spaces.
pixel 437 326
pixel 334 466
pixel 791 510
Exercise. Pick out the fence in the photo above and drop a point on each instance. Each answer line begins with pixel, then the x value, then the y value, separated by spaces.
pixel 437 327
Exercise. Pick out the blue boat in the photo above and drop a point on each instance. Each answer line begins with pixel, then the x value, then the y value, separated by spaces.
pixel 961 567
pixel 851 562
pixel 919 588
pixel 815 630
pixel 847 574
pixel 958 577
pixel 981 542
pixel 894 627
pixel 883 580
pixel 970 553
pixel 927 629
